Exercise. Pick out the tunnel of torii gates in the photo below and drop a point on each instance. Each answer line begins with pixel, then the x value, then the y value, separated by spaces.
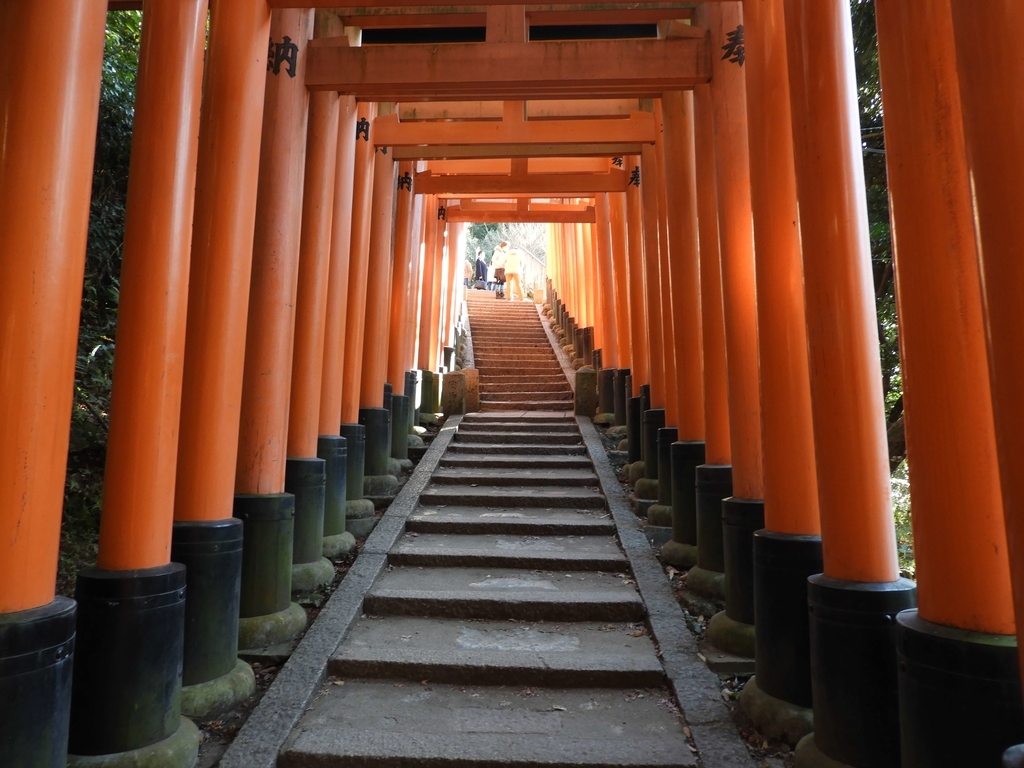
pixel 291 296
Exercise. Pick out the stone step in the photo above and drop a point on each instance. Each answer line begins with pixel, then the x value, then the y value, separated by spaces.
pixel 516 426
pixel 553 497
pixel 522 450
pixel 527 393
pixel 513 460
pixel 521 415
pixel 510 438
pixel 465 652
pixel 503 594
pixel 561 553
pixel 536 386
pixel 509 520
pixel 538 405
pixel 511 357
pixel 523 477
pixel 516 380
pixel 429 725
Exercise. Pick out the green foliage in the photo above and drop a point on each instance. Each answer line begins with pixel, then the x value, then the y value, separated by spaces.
pixel 94 364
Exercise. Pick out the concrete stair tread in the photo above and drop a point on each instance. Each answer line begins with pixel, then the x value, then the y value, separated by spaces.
pixel 505 593
pixel 510 476
pixel 523 449
pixel 577 654
pixel 384 723
pixel 550 496
pixel 509 437
pixel 517 426
pixel 512 460
pixel 535 417
pixel 509 520
pixel 509 550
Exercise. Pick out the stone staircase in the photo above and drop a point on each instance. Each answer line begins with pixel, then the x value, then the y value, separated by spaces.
pixel 518 368
pixel 506 628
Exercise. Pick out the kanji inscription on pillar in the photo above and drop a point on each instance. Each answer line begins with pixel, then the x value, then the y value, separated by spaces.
pixel 363 129
pixel 283 53
pixel 735 49
pixel 442 213
pixel 634 177
pixel 405 181
pixel 617 162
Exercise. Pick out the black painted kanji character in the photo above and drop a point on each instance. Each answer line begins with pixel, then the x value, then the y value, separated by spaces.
pixel 634 177
pixel 405 182
pixel 735 49
pixel 363 128
pixel 285 52
pixel 617 162
pixel 442 213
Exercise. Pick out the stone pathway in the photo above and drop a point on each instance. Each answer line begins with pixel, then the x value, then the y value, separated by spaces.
pixel 506 611
pixel 518 368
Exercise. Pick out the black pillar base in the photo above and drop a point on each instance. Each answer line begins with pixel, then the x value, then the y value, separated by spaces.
pixel 599 364
pixel 782 564
pixel 377 422
pixel 268 531
pixel 621 395
pixel 333 449
pixel 740 519
pixel 426 392
pixel 653 420
pixel 400 427
pixel 954 681
pixel 413 380
pixel 606 390
pixel 127 679
pixel 645 398
pixel 633 428
pixel 665 437
pixel 853 668
pixel 448 358
pixel 36 651
pixel 714 484
pixel 211 552
pixel 388 406
pixel 684 458
pixel 355 439
pixel 306 480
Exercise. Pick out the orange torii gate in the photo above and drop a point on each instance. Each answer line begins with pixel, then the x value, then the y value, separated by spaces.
pixel 723 266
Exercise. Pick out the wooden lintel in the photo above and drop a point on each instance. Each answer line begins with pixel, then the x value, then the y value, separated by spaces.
pixel 538 184
pixel 638 128
pixel 456 72
pixel 484 151
pixel 421 6
pixel 456 213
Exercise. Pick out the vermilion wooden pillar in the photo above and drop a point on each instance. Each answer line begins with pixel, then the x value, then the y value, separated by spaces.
pixel 337 279
pixel 652 276
pixel 403 298
pixel 620 272
pixel 713 479
pixel 687 454
pixel 428 297
pixel 48 106
pixel 372 414
pixel 637 305
pixel 989 69
pixel 359 264
pixel 788 550
pixel 962 568
pixel 858 540
pixel 440 250
pixel 606 278
pixel 743 513
pixel 671 402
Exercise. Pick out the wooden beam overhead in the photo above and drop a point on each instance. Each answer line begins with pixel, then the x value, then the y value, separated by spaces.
pixel 638 128
pixel 534 165
pixel 422 6
pixel 485 151
pixel 539 185
pixel 519 71
pixel 455 213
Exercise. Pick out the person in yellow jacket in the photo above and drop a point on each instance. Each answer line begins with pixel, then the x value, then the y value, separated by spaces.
pixel 513 268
